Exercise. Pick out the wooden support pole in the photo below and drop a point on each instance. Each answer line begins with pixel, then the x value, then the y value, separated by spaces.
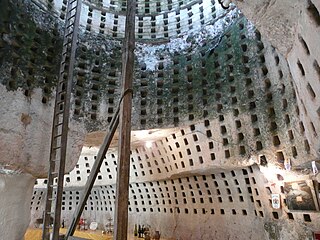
pixel 123 168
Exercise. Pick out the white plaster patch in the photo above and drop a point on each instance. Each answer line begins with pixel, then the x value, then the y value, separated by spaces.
pixel 251 30
pixel 150 54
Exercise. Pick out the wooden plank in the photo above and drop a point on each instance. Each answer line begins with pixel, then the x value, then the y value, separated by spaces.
pixel 123 172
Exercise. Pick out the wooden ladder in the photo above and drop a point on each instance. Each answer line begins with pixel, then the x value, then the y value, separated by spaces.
pixel 60 124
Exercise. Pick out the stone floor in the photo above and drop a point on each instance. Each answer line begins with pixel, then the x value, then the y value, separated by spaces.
pixel 36 234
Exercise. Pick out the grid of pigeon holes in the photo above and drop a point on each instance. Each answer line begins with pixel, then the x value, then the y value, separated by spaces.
pixel 238 192
pixel 180 84
pixel 155 19
pixel 230 192
pixel 95 79
pixel 197 78
pixel 186 150
pixel 239 134
pixel 91 71
pixel 165 158
pixel 223 193
pixel 279 102
pixel 182 151
pixel 86 71
pixel 160 112
pixel 273 108
pixel 101 199
pixel 200 145
pixel 97 74
pixel 149 7
pixel 37 48
pixel 305 65
pixel 37 200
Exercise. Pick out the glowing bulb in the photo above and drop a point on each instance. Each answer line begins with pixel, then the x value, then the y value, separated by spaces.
pixel 148 144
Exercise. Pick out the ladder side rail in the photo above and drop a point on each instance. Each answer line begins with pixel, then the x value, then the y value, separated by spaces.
pixel 47 212
pixel 60 129
pixel 52 163
pixel 66 115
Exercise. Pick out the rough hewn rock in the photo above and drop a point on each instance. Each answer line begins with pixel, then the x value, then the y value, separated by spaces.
pixel 15 191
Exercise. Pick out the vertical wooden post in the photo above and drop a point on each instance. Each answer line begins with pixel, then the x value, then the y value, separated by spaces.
pixel 123 168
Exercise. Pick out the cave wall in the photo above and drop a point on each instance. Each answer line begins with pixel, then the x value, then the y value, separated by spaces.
pixel 29 65
pixel 220 69
pixel 245 101
pixel 14 209
pixel 293 28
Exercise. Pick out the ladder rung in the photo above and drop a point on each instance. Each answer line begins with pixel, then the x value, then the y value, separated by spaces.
pixel 62 66
pixel 62 72
pixel 59 112
pixel 63 79
pixel 65 46
pixel 53 185
pixel 59 135
pixel 61 85
pixel 61 101
pixel 64 51
pixel 71 24
pixel 51 199
pixel 73 9
pixel 64 55
pixel 67 42
pixel 70 12
pixel 49 213
pixel 61 91
pixel 55 148
pixel 59 124
pixel 71 2
pixel 68 35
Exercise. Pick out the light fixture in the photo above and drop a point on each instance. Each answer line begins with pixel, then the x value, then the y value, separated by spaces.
pixel 148 144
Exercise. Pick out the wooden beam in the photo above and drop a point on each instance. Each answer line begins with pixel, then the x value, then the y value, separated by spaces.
pixel 93 175
pixel 123 168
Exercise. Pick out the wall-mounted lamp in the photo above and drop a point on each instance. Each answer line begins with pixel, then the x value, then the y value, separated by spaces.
pixel 148 144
